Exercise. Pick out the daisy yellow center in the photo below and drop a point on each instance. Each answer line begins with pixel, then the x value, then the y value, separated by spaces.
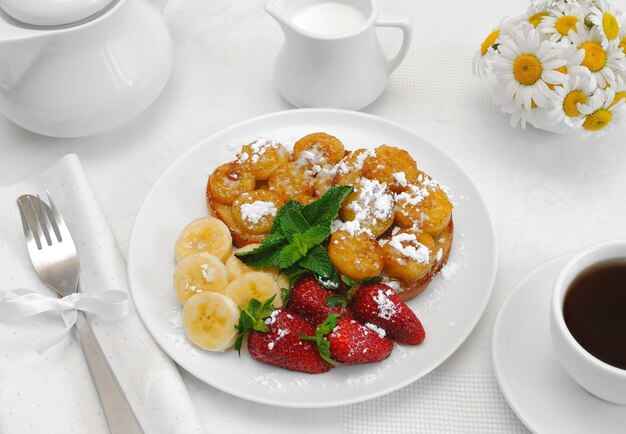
pixel 595 56
pixel 535 19
pixel 570 102
pixel 527 69
pixel 566 23
pixel 610 26
pixel 618 97
pixel 597 120
pixel 622 44
pixel 489 41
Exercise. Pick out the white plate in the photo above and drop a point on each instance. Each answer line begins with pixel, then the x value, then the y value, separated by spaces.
pixel 449 308
pixel 531 377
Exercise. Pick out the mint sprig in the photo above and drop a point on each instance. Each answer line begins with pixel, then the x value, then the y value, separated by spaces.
pixel 253 318
pixel 294 243
pixel 323 344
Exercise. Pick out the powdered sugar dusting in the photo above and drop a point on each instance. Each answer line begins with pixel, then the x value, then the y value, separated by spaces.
pixel 270 381
pixel 272 318
pixel 373 202
pixel 376 329
pixel 386 308
pixel 177 332
pixel 255 211
pixel 407 245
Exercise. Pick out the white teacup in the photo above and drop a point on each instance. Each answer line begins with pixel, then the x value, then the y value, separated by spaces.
pixel 599 378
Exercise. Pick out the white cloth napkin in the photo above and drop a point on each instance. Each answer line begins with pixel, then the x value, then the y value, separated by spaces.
pixel 57 384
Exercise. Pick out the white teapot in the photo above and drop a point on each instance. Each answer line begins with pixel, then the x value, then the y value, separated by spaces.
pixel 77 68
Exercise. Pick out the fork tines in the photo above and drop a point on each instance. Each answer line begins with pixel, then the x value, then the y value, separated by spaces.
pixel 41 222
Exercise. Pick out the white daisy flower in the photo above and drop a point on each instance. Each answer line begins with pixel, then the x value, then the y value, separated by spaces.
pixel 564 110
pixel 602 63
pixel 603 17
pixel 600 112
pixel 536 18
pixel 573 57
pixel 538 6
pixel 620 90
pixel 518 114
pixel 622 26
pixel 481 64
pixel 561 18
pixel 525 66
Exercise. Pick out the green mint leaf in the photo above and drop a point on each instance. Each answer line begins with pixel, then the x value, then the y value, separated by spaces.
pixel 336 300
pixel 266 255
pixel 292 221
pixel 372 280
pixel 270 242
pixel 294 272
pixel 331 283
pixel 289 256
pixel 238 344
pixel 328 325
pixel 286 293
pixel 345 279
pixel 324 210
pixel 316 235
pixel 317 261
pixel 276 226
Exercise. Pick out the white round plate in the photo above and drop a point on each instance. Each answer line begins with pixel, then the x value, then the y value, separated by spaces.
pixel 530 375
pixel 449 308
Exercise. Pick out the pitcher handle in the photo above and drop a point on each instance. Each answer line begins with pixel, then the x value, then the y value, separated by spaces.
pixel 403 23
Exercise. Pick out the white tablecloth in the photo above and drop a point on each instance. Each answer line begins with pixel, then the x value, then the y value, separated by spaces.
pixel 547 194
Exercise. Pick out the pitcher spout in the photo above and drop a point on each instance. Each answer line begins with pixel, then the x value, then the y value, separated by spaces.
pixel 281 11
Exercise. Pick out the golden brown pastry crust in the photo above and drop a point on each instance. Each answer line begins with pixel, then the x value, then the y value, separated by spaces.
pixel 409 291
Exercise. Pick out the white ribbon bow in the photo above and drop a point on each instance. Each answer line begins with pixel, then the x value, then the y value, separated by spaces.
pixel 22 303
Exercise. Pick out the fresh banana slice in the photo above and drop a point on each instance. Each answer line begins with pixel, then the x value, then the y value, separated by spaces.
pixel 255 284
pixel 237 268
pixel 201 272
pixel 206 234
pixel 209 319
pixel 283 281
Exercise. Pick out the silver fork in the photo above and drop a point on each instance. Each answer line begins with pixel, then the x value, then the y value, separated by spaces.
pixel 54 257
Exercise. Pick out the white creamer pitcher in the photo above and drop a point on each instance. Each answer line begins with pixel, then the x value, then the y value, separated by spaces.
pixel 332 56
pixel 77 68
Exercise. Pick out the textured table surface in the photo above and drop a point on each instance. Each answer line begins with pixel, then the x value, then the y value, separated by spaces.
pixel 547 194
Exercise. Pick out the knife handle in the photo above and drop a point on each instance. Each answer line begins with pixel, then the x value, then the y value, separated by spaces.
pixel 119 414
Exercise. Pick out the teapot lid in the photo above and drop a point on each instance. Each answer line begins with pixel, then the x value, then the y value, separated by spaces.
pixel 52 12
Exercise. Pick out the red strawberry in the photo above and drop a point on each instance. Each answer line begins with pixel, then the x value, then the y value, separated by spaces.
pixel 378 304
pixel 281 346
pixel 308 300
pixel 352 343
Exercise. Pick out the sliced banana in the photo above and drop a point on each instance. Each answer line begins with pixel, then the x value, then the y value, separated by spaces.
pixel 283 281
pixel 237 268
pixel 206 234
pixel 197 273
pixel 209 319
pixel 255 284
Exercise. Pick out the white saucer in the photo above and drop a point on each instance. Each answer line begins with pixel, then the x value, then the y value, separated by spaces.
pixel 532 380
